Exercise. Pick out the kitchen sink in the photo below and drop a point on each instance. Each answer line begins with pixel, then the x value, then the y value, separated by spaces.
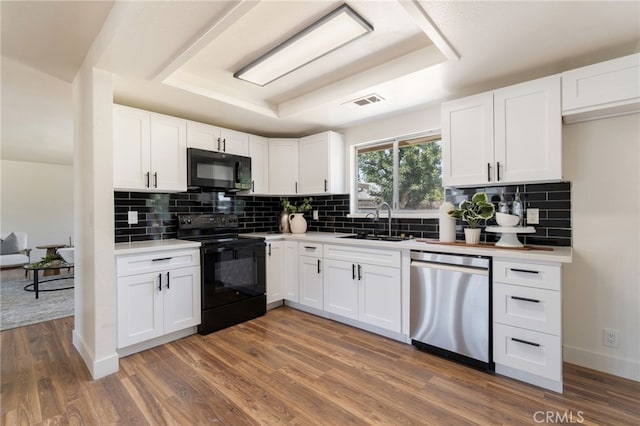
pixel 372 237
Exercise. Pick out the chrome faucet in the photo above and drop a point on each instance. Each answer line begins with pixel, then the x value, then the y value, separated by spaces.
pixel 385 204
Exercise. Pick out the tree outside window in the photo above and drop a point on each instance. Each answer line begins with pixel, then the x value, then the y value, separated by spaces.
pixel 406 173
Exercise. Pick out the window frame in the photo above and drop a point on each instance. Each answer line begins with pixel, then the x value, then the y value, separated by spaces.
pixel 395 142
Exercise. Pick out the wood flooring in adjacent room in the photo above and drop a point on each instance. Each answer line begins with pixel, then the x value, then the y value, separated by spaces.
pixel 287 367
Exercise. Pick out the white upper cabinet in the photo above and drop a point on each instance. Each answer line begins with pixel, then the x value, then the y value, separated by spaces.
pixel 321 167
pixel 168 153
pixel 511 135
pixel 283 166
pixel 467 140
pixel 528 131
pixel 602 90
pixel 213 138
pixel 234 142
pixel 259 153
pixel 149 151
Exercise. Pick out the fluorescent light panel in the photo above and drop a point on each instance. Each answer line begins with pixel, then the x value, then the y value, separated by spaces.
pixel 334 30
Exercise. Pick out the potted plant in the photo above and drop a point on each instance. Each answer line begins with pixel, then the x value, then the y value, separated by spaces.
pixel 297 222
pixel 473 211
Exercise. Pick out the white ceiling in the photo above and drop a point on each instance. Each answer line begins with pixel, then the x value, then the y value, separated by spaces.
pixel 178 57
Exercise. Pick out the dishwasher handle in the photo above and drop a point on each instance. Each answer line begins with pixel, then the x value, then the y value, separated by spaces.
pixel 445 267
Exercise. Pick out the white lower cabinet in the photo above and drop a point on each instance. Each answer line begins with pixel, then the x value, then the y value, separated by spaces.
pixel 275 271
pixel 310 282
pixel 527 321
pixel 157 293
pixel 357 287
pixel 291 291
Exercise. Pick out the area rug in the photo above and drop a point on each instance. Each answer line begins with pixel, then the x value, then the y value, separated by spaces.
pixel 19 307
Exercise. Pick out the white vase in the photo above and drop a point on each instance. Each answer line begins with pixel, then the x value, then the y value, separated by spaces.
pixel 297 223
pixel 472 235
pixel 447 224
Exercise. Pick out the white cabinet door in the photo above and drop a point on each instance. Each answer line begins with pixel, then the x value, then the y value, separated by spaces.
pixel 380 297
pixel 310 281
pixel 321 163
pixel 283 166
pixel 341 288
pixel 259 153
pixel 467 141
pixel 168 153
pixel 275 271
pixel 291 271
pixel 131 139
pixel 605 89
pixel 181 293
pixel 528 131
pixel 140 310
pixel 234 142
pixel 203 136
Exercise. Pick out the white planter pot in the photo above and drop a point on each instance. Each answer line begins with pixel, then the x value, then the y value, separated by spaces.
pixel 298 223
pixel 472 235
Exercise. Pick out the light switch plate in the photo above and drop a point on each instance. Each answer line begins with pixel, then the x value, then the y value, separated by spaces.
pixel 315 215
pixel 533 216
pixel 132 219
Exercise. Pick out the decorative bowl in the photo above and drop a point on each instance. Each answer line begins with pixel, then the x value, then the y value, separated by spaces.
pixel 504 219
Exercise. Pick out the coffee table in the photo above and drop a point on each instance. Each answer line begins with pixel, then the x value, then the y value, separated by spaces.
pixel 51 250
pixel 35 286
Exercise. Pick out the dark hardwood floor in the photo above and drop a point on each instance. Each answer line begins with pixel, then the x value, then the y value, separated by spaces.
pixel 287 367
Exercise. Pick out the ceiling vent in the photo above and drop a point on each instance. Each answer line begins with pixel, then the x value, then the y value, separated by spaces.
pixel 366 100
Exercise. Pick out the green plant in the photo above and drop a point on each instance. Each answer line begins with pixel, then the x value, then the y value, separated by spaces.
pixel 48 259
pixel 479 208
pixel 295 208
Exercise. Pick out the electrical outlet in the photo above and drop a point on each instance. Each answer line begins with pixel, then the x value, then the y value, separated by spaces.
pixel 610 337
pixel 132 218
pixel 533 216
pixel 315 215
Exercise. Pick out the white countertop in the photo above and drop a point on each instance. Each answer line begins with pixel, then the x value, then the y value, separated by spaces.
pixel 154 245
pixel 559 254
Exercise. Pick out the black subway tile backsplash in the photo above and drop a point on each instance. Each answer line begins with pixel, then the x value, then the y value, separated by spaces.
pixel 157 213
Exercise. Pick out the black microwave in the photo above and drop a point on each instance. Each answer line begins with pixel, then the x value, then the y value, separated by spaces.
pixel 218 170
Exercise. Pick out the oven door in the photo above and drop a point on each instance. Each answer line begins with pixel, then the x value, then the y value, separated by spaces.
pixel 232 272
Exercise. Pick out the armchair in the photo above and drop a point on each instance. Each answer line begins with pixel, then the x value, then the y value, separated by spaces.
pixel 14 252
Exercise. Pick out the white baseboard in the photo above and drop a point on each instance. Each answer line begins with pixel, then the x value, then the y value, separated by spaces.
pixel 611 364
pixel 97 368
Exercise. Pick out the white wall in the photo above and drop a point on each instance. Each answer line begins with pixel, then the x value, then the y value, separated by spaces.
pixel 94 334
pixel 601 288
pixel 37 198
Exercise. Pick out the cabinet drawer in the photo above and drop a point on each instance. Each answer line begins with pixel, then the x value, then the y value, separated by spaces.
pixel 310 249
pixel 527 307
pixel 531 274
pixel 363 255
pixel 530 351
pixel 156 261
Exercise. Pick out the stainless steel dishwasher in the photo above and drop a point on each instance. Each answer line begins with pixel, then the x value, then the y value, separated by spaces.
pixel 450 307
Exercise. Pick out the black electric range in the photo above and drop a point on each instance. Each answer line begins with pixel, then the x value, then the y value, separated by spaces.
pixel 233 270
